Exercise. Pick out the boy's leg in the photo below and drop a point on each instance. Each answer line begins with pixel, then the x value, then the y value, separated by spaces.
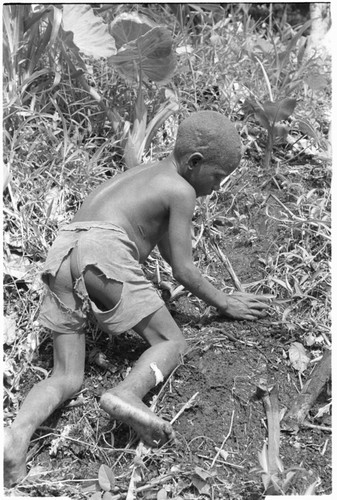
pixel 66 379
pixel 124 402
pixel 167 344
pixel 42 400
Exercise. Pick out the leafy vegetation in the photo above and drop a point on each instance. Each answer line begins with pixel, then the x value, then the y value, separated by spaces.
pixel 80 106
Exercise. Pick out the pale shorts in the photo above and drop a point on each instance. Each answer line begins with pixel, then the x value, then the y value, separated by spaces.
pixel 108 248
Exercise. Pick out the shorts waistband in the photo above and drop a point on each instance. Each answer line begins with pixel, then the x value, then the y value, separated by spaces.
pixel 86 225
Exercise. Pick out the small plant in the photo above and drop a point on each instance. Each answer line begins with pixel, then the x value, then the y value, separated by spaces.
pixel 276 480
pixel 106 484
pixel 270 114
pixel 285 68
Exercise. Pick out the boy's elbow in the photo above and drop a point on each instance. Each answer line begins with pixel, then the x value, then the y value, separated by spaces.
pixel 183 274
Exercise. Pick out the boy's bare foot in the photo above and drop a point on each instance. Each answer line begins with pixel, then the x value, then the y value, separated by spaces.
pixel 128 408
pixel 14 459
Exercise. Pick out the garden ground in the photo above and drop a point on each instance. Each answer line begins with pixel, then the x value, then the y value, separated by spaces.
pixel 222 426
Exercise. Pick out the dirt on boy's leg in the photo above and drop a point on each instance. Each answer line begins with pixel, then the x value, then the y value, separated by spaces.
pixel 124 402
pixel 124 406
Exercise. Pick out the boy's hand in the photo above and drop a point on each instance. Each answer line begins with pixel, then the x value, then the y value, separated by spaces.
pixel 246 306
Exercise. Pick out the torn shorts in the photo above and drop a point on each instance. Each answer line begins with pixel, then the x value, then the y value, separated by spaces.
pixel 108 248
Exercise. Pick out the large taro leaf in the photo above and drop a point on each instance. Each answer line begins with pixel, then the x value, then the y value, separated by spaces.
pixel 148 55
pixel 128 27
pixel 90 34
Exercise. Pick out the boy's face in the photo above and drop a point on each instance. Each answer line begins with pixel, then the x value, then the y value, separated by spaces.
pixel 207 178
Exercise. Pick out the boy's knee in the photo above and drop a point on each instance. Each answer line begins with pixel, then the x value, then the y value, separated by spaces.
pixel 176 339
pixel 181 345
pixel 75 382
pixel 70 383
pixel 105 400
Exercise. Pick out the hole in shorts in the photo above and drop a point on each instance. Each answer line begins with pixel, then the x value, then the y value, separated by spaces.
pixel 103 291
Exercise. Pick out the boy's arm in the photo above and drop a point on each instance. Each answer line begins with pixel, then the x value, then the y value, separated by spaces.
pixel 164 248
pixel 176 248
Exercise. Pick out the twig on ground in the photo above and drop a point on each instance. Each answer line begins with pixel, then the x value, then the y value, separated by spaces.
pixel 318 427
pixel 224 441
pixel 185 407
pixel 229 268
pixel 155 482
pixel 221 462
pixel 235 339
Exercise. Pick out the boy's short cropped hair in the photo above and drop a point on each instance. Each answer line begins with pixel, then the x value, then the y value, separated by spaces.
pixel 211 134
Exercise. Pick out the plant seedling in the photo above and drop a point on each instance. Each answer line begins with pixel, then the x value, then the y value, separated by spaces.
pixel 269 114
pixel 106 481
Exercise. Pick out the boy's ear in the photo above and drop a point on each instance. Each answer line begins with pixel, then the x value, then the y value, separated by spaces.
pixel 194 160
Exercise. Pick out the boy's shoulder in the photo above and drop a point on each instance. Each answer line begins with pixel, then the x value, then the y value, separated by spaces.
pixel 172 183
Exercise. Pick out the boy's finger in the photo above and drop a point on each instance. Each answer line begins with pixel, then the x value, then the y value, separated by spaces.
pixel 259 305
pixel 266 298
pixel 259 312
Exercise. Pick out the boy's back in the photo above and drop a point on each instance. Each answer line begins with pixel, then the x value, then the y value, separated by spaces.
pixel 140 202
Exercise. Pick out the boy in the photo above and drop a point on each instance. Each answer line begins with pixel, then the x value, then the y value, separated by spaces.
pixel 94 267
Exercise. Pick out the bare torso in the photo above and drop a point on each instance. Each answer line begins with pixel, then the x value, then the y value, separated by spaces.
pixel 137 201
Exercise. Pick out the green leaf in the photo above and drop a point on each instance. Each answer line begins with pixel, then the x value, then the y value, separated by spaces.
pixel 262 44
pixel 6 175
pixel 9 329
pixel 307 129
pixel 148 55
pixel 133 149
pixel 96 496
pixel 167 109
pixel 91 34
pixel 56 23
pixel 203 474
pixel 140 138
pixel 266 478
pixel 262 118
pixel 311 489
pixel 127 27
pixel 106 477
pixel 263 458
pixel 202 486
pixel 251 106
pixel 108 496
pixel 298 357
pixel 292 44
pixel 279 110
pixel 280 132
pixel 316 81
pixel 162 494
